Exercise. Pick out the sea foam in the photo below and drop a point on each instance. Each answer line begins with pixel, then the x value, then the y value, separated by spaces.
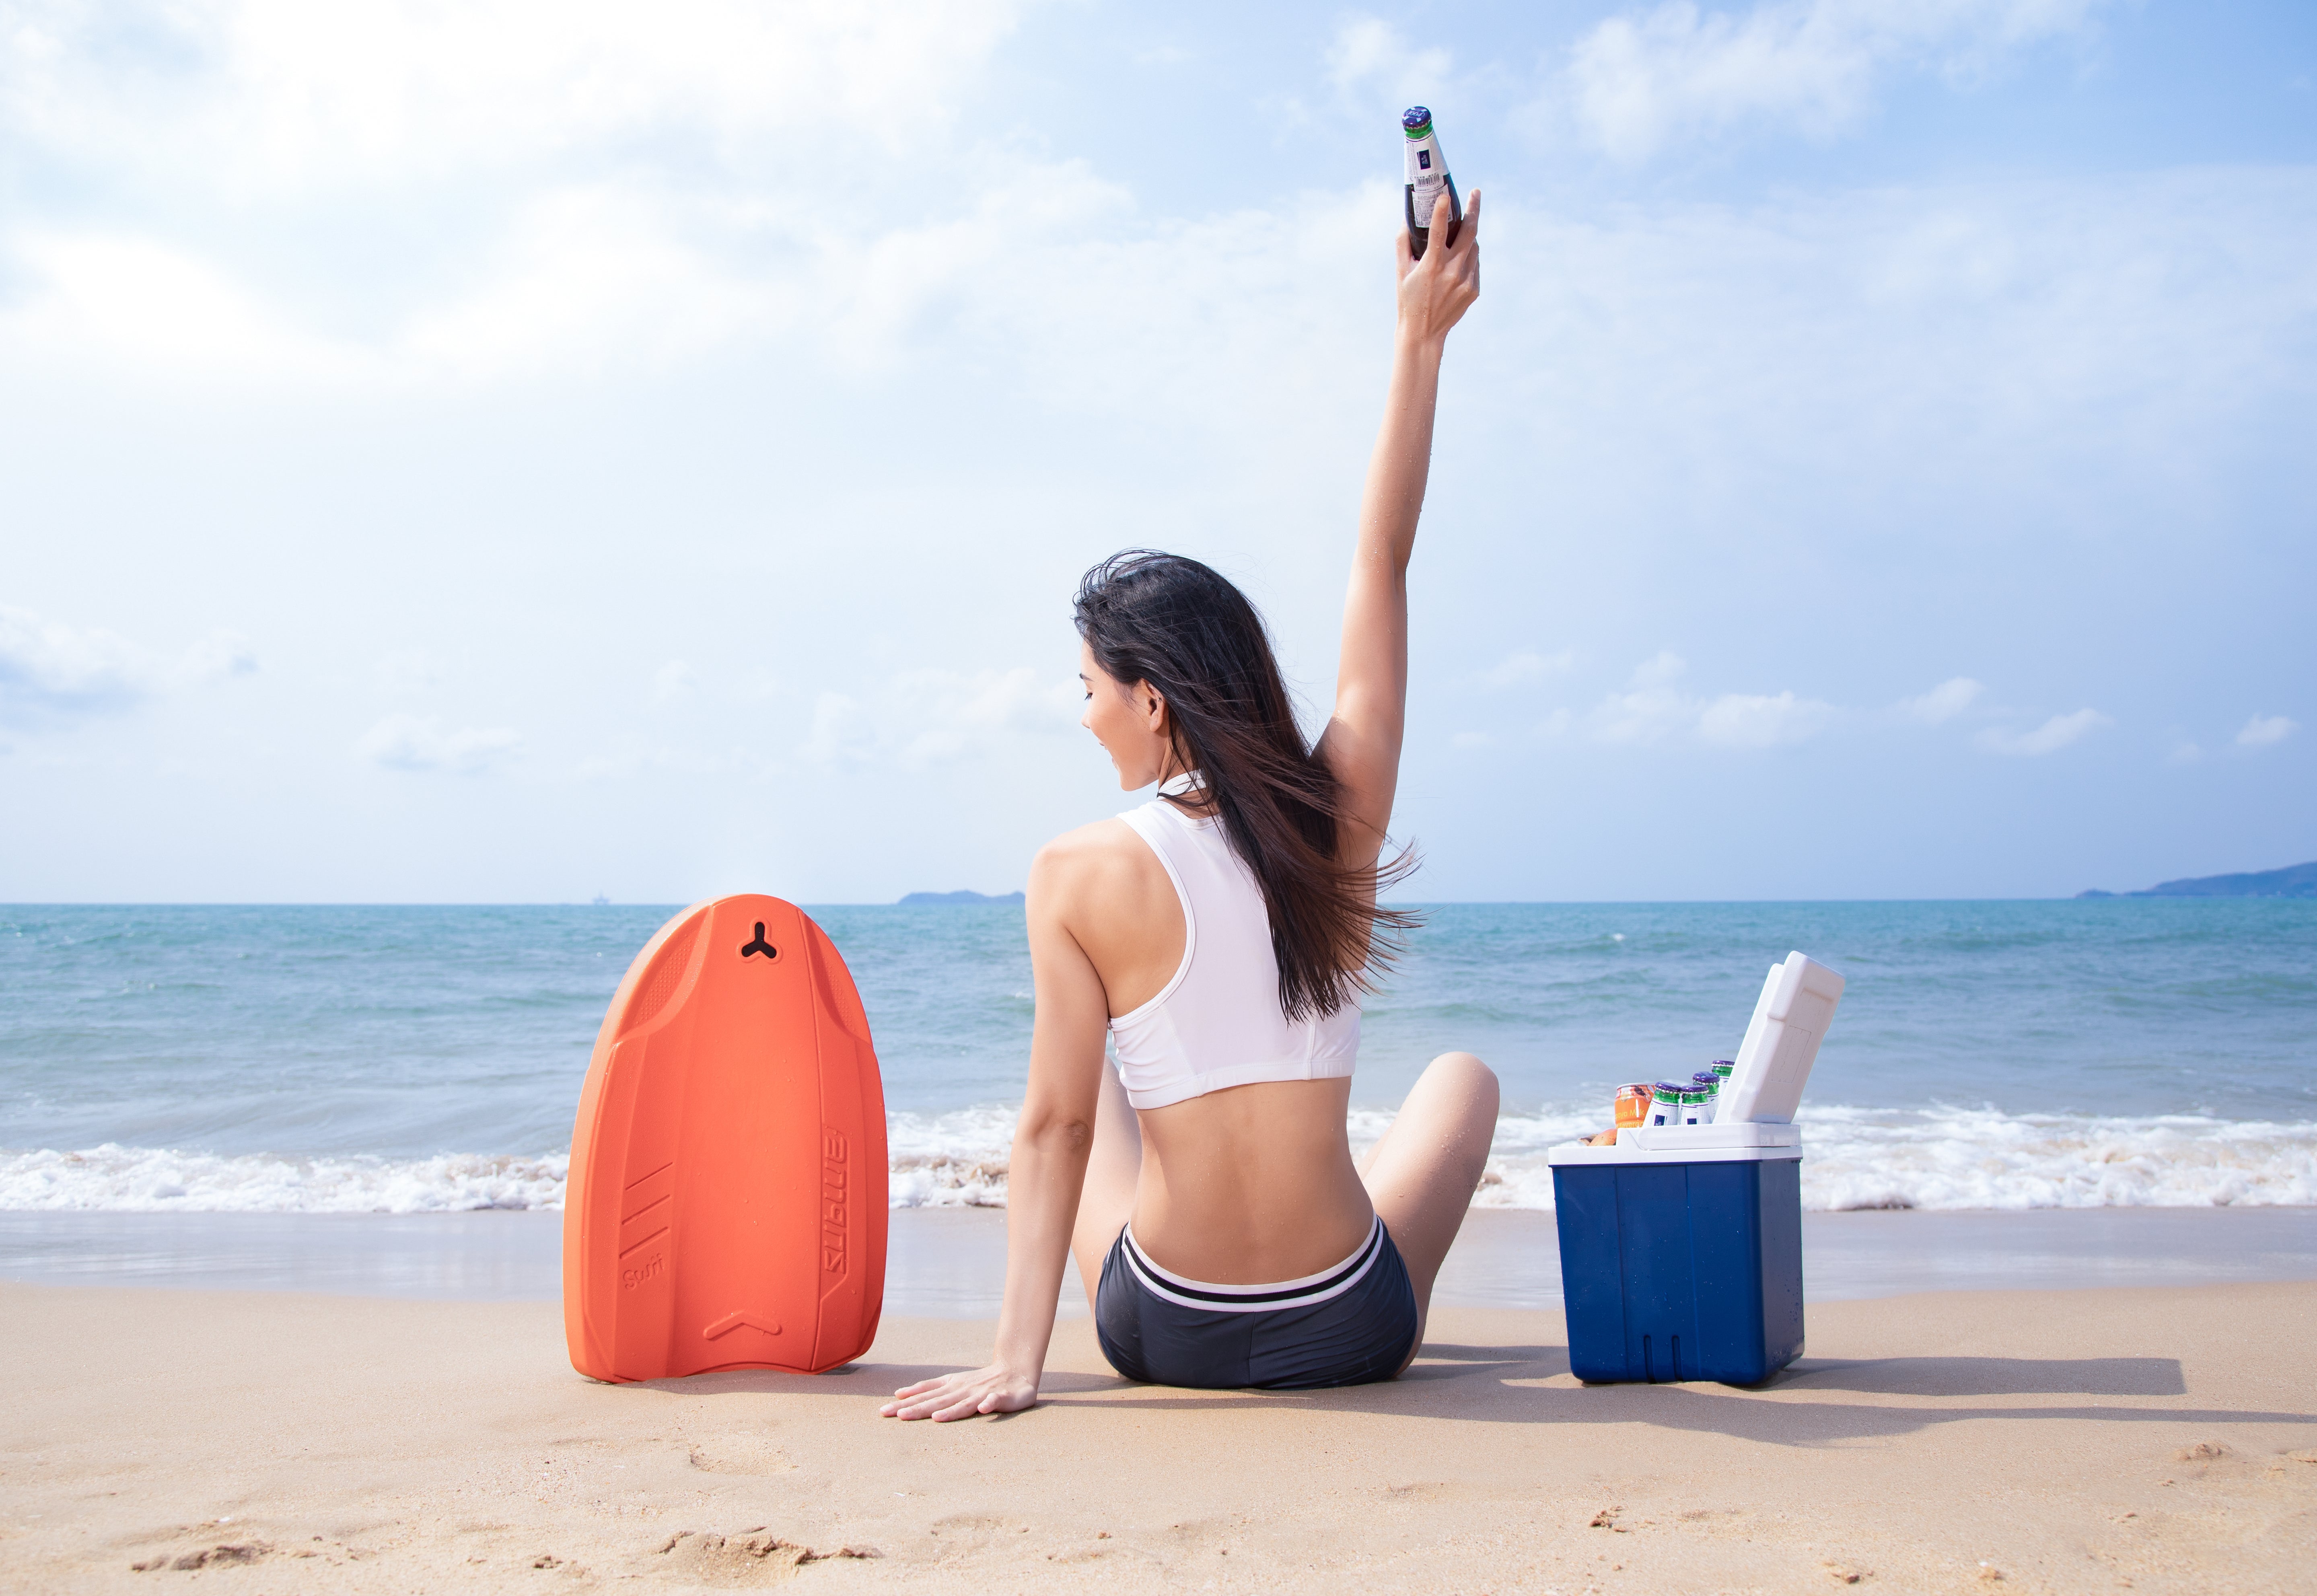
pixel 157 1180
pixel 955 1159
pixel 1977 1158
pixel 1856 1158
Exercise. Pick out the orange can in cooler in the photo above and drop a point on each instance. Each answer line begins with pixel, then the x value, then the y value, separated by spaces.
pixel 1632 1106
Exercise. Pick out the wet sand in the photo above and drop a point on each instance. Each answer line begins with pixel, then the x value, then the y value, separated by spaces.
pixel 950 1262
pixel 2150 1439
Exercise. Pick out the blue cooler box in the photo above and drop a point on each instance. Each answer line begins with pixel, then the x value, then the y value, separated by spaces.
pixel 1681 1253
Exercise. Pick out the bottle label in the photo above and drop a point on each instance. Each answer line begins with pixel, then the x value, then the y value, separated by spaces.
pixel 1426 174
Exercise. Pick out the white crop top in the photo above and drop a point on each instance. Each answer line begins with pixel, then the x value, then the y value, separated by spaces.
pixel 1218 1022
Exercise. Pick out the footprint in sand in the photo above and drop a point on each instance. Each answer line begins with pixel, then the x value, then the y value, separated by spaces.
pixel 216 1556
pixel 752 1558
pixel 739 1454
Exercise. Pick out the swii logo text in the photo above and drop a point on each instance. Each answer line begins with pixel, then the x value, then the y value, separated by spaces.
pixel 832 1202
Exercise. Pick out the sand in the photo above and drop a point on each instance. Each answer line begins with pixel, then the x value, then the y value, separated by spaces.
pixel 2142 1439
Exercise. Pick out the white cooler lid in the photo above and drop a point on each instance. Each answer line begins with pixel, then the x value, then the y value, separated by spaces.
pixel 1773 1061
pixel 1688 1144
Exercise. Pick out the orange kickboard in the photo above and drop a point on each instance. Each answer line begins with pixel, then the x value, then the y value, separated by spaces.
pixel 725 1204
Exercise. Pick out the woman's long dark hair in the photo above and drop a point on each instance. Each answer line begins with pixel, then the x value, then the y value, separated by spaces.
pixel 1185 629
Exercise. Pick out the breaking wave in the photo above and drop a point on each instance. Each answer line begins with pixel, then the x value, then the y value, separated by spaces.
pixel 158 1179
pixel 1855 1158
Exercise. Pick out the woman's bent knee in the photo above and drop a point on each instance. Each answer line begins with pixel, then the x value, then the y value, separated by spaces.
pixel 1466 1073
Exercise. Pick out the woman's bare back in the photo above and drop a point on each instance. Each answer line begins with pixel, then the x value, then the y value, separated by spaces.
pixel 1245 1185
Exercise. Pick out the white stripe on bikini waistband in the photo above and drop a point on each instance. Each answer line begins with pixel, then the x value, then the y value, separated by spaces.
pixel 1327 1283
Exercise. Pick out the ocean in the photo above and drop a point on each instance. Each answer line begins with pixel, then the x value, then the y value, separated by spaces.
pixel 1992 1056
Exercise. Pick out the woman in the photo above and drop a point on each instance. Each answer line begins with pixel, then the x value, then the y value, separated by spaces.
pixel 1220 934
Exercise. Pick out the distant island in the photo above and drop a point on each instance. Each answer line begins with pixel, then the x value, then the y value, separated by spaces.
pixel 921 900
pixel 2296 880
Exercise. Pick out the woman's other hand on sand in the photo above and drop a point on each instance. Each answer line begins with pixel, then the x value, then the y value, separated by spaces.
pixel 1607 1139
pixel 996 1389
pixel 1436 291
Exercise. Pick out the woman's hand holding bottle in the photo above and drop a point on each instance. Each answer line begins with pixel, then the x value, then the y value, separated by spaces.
pixel 1436 291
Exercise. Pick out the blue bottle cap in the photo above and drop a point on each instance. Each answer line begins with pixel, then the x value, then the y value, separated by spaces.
pixel 1417 120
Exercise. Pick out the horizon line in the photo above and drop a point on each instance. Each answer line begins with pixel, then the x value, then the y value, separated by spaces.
pixel 1005 900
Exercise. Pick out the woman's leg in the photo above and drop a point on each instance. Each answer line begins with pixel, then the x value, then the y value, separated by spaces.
pixel 1114 1165
pixel 1422 1174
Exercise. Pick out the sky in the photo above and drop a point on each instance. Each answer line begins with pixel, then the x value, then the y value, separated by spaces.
pixel 519 452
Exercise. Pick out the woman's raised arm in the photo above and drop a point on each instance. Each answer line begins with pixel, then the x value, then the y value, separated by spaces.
pixel 1362 742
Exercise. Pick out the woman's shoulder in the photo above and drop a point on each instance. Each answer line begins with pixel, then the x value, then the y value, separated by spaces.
pixel 1104 886
pixel 1102 863
pixel 1105 844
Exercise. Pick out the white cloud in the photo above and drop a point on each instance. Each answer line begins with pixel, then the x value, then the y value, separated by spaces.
pixel 48 668
pixel 403 742
pixel 840 733
pixel 586 276
pixel 1552 724
pixel 954 711
pixel 273 94
pixel 1649 715
pixel 557 183
pixel 576 279
pixel 1658 669
pixel 1756 720
pixel 2262 730
pixel 922 718
pixel 1653 709
pixel 1638 83
pixel 2054 734
pixel 1525 665
pixel 610 189
pixel 1942 704
pixel 219 654
pixel 1032 254
pixel 2052 314
pixel 1368 50
pixel 625 764
pixel 144 302
pixel 50 671
pixel 1645 717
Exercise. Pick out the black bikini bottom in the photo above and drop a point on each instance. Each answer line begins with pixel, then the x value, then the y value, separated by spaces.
pixel 1345 1326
